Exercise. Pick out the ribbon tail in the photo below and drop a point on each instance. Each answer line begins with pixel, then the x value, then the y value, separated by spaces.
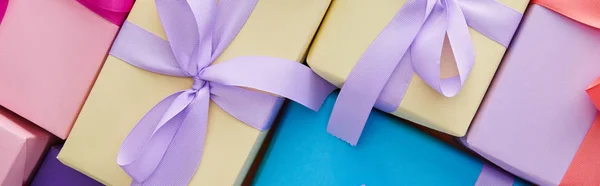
pixel 184 154
pixel 272 75
pixel 373 70
pixel 145 146
pixel 253 108
pixel 393 92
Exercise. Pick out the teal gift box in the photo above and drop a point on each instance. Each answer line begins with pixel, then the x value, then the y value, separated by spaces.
pixel 391 152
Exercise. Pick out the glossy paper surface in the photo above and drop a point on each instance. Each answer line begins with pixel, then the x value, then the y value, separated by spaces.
pixel 340 43
pixel 124 93
pixel 50 54
pixel 537 112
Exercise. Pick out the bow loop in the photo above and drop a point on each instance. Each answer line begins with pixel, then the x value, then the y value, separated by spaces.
pixel 445 18
pixel 157 57
pixel 182 27
pixel 146 144
pixel 232 15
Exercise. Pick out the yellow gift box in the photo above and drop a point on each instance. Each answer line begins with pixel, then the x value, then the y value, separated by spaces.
pixel 340 43
pixel 123 93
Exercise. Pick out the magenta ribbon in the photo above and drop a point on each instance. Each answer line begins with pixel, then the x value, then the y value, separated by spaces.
pixel 114 11
pixel 165 147
pixel 3 6
pixel 412 43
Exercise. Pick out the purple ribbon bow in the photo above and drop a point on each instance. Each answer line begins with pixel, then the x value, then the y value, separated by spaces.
pixel 166 146
pixel 412 43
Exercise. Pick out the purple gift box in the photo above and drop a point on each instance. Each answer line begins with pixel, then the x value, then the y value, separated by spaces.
pixel 53 173
pixel 537 113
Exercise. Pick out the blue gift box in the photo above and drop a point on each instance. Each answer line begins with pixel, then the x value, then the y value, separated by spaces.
pixel 391 152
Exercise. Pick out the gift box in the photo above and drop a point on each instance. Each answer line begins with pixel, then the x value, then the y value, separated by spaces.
pixel 50 54
pixel 53 173
pixel 22 145
pixel 391 152
pixel 124 93
pixel 537 120
pixel 365 48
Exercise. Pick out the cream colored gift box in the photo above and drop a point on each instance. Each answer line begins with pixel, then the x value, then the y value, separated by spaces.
pixel 123 94
pixel 340 43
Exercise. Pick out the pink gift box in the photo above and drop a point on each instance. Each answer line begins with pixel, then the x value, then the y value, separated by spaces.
pixel 50 54
pixel 21 144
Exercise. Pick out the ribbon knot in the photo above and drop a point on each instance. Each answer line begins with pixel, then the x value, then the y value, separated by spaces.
pixel 165 147
pixel 198 83
pixel 412 43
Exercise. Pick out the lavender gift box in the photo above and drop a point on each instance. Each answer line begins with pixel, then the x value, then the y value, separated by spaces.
pixel 536 115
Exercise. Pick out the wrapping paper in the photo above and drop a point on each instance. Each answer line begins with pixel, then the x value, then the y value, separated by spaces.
pixel 391 153
pixel 53 173
pixel 340 43
pixel 22 144
pixel 50 54
pixel 537 113
pixel 123 94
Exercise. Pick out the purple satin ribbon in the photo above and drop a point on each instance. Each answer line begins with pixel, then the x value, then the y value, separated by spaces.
pixel 114 11
pixel 412 43
pixel 166 146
